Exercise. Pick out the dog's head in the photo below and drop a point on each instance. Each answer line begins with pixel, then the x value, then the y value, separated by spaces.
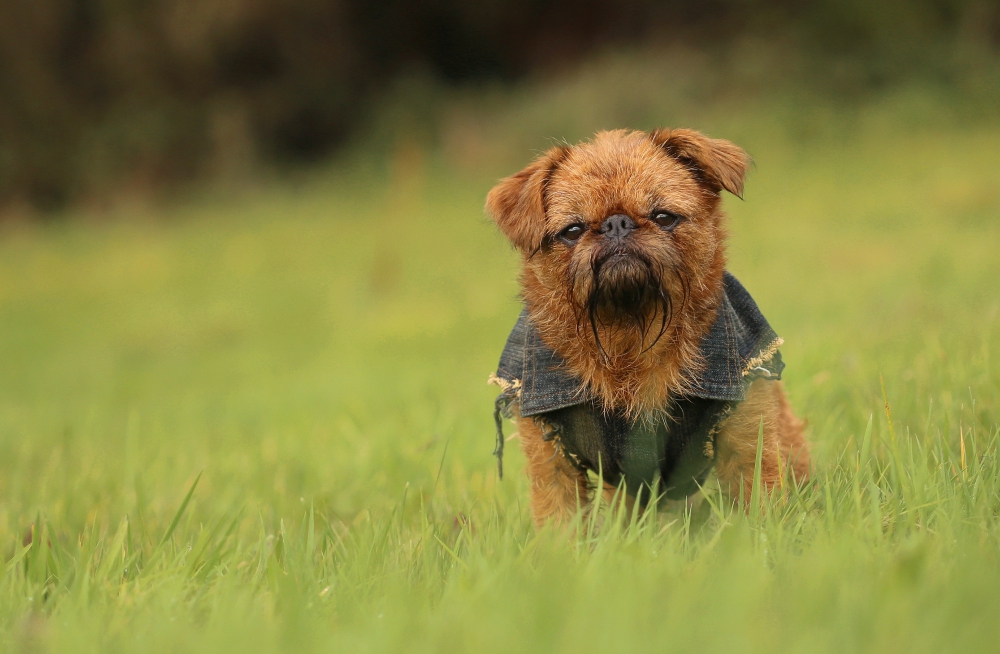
pixel 622 235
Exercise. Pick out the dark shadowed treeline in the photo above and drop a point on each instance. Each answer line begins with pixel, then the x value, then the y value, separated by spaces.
pixel 98 96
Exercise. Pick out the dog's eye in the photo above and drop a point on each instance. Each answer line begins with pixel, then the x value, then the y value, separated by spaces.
pixel 572 233
pixel 666 219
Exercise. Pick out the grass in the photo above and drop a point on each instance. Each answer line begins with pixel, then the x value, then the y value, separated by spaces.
pixel 261 424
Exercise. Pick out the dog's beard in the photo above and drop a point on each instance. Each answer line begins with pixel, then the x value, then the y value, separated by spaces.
pixel 626 289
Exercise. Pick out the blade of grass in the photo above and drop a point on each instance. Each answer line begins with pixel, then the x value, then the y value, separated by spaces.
pixel 17 558
pixel 866 443
pixel 180 512
pixel 755 491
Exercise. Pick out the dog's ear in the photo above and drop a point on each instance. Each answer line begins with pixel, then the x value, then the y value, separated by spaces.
pixel 517 203
pixel 720 163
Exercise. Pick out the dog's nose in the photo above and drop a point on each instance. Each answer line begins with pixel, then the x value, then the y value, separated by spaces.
pixel 617 226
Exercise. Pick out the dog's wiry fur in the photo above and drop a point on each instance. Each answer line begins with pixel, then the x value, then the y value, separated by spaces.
pixel 627 316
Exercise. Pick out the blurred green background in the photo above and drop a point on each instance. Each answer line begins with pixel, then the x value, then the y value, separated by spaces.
pixel 243 254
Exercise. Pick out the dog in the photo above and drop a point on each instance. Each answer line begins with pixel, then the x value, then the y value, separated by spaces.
pixel 637 358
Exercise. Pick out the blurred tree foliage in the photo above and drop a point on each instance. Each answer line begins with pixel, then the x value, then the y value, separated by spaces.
pixel 138 94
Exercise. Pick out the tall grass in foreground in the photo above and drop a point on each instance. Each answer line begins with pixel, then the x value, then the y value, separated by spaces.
pixel 893 546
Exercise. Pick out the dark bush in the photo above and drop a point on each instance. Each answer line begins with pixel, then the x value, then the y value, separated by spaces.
pixel 138 94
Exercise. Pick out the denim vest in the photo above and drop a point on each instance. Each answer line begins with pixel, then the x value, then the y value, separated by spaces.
pixel 668 452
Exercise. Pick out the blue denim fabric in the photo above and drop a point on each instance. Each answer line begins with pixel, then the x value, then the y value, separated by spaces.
pixel 669 450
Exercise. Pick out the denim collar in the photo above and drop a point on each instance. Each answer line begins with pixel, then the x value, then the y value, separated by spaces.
pixel 739 347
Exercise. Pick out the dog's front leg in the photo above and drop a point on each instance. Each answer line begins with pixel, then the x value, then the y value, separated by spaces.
pixel 557 486
pixel 784 453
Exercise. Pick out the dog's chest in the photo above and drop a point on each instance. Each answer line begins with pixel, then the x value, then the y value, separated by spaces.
pixel 671 452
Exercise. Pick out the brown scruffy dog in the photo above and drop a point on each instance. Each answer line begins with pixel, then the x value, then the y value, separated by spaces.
pixel 637 356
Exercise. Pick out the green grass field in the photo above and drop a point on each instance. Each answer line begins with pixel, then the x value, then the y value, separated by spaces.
pixel 309 360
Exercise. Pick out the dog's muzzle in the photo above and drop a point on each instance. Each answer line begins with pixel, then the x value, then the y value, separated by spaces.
pixel 623 281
